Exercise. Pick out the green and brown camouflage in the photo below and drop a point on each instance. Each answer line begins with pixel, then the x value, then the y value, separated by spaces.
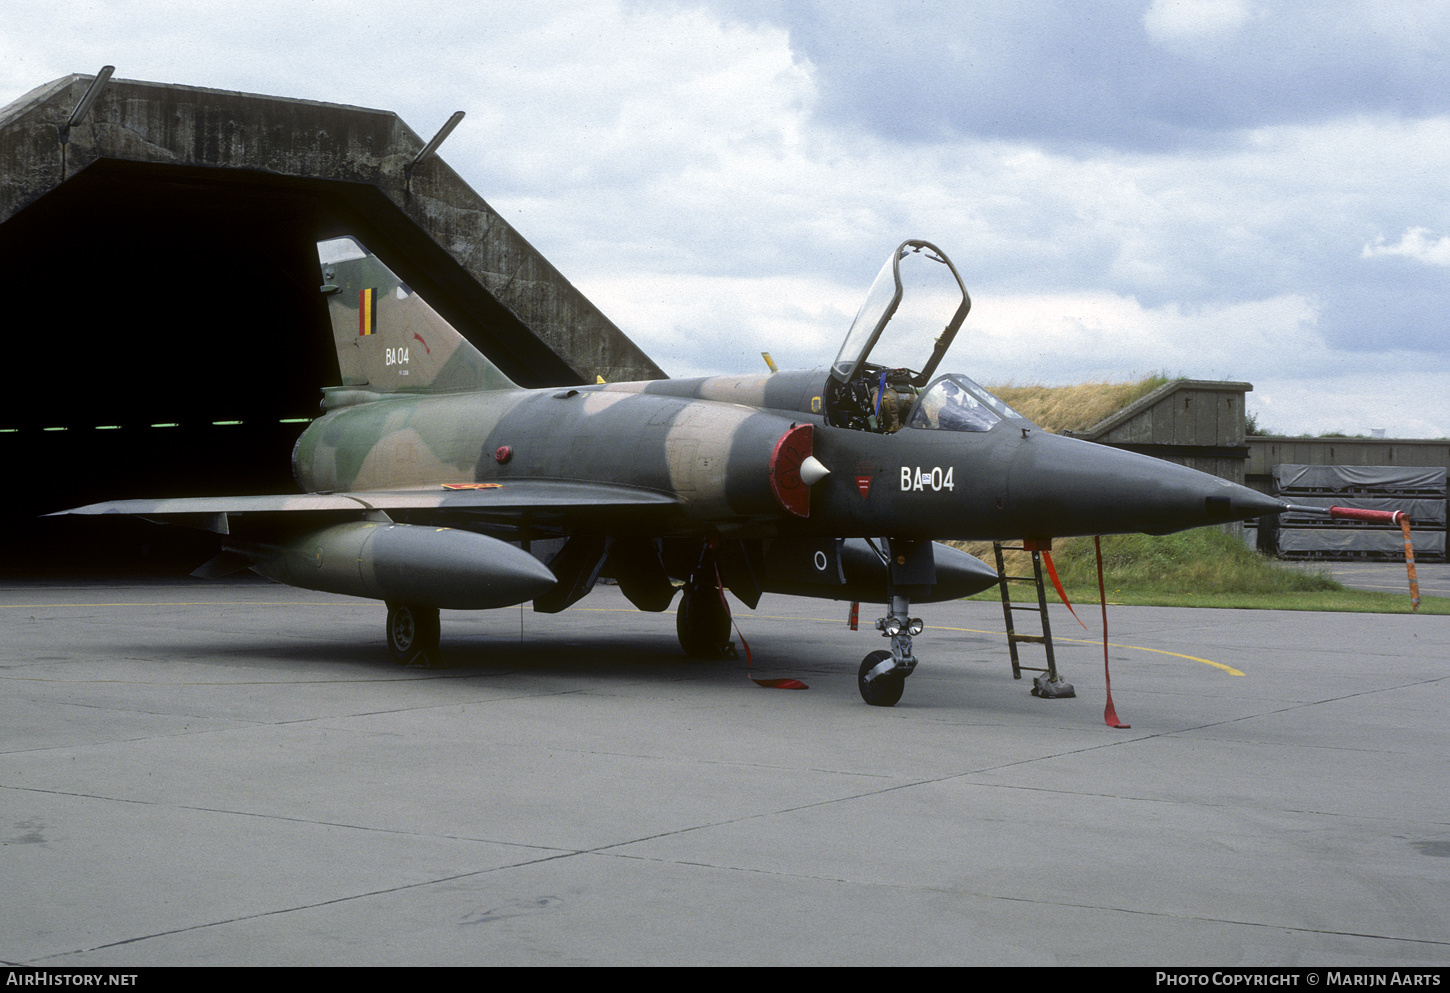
pixel 388 339
pixel 431 480
pixel 421 407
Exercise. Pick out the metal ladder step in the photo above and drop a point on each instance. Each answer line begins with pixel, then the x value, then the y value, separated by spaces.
pixel 1045 638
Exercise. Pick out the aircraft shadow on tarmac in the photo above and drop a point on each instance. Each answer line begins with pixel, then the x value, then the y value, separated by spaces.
pixel 623 650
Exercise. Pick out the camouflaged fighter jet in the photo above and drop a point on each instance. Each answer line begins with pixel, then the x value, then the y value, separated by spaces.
pixel 433 481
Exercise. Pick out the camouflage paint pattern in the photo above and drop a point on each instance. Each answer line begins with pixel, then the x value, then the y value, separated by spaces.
pixel 389 340
pixel 425 430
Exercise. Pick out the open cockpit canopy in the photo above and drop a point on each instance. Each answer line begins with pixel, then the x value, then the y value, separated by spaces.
pixel 875 383
pixel 905 306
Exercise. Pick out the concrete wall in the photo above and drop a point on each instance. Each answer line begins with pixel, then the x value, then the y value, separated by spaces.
pixel 167 335
pixel 347 166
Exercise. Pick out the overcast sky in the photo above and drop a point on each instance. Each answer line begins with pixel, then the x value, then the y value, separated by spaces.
pixel 1222 189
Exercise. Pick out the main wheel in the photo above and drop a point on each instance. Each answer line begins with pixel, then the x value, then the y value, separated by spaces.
pixel 883 691
pixel 703 623
pixel 413 634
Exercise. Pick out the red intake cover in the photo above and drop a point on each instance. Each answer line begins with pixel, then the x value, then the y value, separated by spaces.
pixel 793 448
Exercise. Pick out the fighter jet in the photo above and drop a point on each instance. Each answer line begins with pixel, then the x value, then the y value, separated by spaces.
pixel 433 481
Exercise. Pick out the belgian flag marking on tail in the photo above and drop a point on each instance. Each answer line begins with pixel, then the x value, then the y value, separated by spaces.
pixel 367 312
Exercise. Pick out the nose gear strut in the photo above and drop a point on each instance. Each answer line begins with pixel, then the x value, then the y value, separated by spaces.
pixel 911 568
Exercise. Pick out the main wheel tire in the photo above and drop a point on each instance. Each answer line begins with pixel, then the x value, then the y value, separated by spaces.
pixel 703 623
pixel 883 691
pixel 413 634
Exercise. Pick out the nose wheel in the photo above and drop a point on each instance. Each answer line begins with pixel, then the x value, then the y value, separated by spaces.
pixel 882 676
pixel 880 688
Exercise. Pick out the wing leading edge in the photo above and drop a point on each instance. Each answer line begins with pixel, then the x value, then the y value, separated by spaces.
pixel 552 497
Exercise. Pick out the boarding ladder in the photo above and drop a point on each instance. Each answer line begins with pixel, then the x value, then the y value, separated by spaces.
pixel 1013 638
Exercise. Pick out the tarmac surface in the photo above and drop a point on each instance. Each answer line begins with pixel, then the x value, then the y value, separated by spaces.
pixel 235 773
pixel 1388 577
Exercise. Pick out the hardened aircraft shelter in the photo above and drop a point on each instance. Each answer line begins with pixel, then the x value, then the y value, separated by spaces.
pixel 160 252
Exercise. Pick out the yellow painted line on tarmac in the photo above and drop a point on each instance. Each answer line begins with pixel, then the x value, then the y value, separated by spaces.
pixel 1139 648
pixel 941 627
pixel 596 610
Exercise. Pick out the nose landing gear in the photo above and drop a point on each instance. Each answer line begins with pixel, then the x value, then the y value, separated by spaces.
pixel 882 676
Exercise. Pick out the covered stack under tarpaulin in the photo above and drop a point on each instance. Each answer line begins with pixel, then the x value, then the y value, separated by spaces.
pixel 1417 490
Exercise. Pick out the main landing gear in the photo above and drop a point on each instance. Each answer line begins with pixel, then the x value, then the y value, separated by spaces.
pixel 703 621
pixel 413 634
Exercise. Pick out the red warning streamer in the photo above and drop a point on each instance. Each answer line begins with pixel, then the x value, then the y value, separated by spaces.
pixel 773 684
pixel 1057 585
pixel 1410 563
pixel 1110 714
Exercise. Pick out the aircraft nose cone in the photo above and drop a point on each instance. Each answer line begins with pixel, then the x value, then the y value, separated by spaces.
pixel 1066 486
pixel 1251 503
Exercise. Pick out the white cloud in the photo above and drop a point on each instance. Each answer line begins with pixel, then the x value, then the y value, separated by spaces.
pixel 1353 402
pixel 1187 22
pixel 673 162
pixel 699 325
pixel 1064 338
pixel 1416 243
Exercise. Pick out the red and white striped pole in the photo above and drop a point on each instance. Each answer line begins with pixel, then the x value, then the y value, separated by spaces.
pixel 1375 517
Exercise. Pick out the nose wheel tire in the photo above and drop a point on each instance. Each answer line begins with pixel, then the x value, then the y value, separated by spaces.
pixel 413 634
pixel 883 691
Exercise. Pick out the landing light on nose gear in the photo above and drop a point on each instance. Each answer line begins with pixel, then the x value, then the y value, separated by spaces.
pixel 882 676
pixel 911 571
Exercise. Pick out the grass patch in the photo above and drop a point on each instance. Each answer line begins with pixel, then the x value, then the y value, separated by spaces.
pixel 1204 567
pixel 1074 408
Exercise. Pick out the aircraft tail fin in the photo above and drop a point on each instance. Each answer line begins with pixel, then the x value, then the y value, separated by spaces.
pixel 388 339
